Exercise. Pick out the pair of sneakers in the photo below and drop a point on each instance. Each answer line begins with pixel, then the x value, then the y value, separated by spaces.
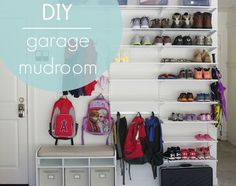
pixel 203 40
pixel 189 153
pixel 173 153
pixel 143 22
pixel 176 117
pixel 141 40
pixel 203 153
pixel 164 40
pixel 186 74
pixel 160 23
pixel 180 40
pixel 202 56
pixel 203 73
pixel 204 117
pixel 186 97
pixel 203 97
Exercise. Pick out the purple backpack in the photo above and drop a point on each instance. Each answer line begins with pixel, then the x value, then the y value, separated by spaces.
pixel 98 120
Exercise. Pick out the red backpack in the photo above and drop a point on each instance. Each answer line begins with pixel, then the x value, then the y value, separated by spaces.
pixel 134 148
pixel 63 123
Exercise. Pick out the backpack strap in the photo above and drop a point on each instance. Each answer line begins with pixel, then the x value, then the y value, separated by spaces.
pixel 82 132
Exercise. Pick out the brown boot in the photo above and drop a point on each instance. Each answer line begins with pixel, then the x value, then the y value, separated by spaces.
pixel 155 23
pixel 197 20
pixel 165 23
pixel 207 19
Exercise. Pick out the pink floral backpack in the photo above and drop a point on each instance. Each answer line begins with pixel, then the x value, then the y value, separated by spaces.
pixel 98 120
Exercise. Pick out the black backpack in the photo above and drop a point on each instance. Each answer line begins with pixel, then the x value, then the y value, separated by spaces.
pixel 119 138
pixel 154 143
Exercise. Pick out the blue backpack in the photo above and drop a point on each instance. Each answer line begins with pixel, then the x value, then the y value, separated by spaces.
pixel 154 142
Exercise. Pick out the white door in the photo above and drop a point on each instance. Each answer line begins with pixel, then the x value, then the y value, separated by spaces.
pixel 13 130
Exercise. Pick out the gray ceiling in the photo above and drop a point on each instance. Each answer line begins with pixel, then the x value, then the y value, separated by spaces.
pixel 226 4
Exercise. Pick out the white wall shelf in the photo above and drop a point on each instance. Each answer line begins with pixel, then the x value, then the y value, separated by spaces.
pixel 191 161
pixel 153 7
pixel 166 121
pixel 171 46
pixel 178 140
pixel 168 63
pixel 165 80
pixel 207 32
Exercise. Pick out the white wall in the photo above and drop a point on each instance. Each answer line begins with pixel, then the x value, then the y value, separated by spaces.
pixel 232 76
pixel 223 56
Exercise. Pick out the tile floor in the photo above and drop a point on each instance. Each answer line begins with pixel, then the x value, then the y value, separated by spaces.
pixel 226 164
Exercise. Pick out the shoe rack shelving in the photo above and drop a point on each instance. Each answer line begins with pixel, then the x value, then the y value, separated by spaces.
pixel 135 87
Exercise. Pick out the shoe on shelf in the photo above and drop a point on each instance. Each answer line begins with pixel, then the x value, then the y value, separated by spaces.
pixel 190 97
pixel 170 154
pixel 197 56
pixel 165 23
pixel 207 137
pixel 184 154
pixel 208 117
pixel 166 40
pixel 199 40
pixel 146 40
pixel 182 74
pixel 155 23
pixel 197 20
pixel 207 73
pixel 163 76
pixel 194 117
pixel 206 57
pixel 188 117
pixel 192 153
pixel 136 40
pixel 173 117
pixel 199 137
pixel 136 23
pixel 182 97
pixel 200 97
pixel 207 154
pixel 207 97
pixel 198 73
pixel 176 20
pixel 189 74
pixel 207 20
pixel 187 40
pixel 145 22
pixel 158 41
pixel 186 20
pixel 177 153
pixel 180 117
pixel 178 40
pixel 171 76
pixel 202 117
pixel 200 153
pixel 208 41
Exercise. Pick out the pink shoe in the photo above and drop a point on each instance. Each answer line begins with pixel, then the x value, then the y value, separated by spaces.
pixel 207 137
pixel 199 137
pixel 202 117
pixel 208 117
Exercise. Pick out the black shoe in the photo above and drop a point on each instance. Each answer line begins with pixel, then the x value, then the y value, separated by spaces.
pixel 177 152
pixel 178 40
pixel 170 154
pixel 187 40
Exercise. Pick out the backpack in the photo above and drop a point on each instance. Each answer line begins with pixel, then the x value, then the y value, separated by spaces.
pixel 98 120
pixel 134 147
pixel 63 123
pixel 136 143
pixel 120 132
pixel 154 142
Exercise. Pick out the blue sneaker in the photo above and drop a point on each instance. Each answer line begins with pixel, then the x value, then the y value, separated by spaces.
pixel 200 97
